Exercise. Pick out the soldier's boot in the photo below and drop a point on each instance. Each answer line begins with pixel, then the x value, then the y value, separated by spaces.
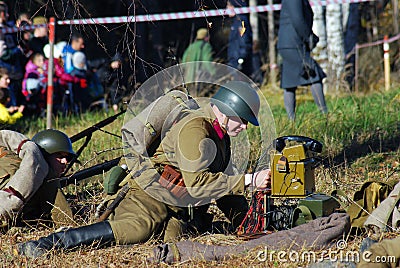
pixel 98 234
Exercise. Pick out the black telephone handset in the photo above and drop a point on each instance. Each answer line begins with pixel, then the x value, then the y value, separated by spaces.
pixel 309 143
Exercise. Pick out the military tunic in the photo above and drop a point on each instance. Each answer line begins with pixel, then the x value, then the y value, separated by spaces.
pixel 385 254
pixel 194 147
pixel 40 194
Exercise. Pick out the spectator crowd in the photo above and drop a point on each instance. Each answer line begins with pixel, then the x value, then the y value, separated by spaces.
pixel 24 65
pixel 80 84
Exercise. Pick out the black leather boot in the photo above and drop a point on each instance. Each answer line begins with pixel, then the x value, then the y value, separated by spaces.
pixel 99 234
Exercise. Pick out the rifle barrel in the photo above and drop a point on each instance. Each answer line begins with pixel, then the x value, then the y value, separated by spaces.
pixel 89 172
pixel 95 127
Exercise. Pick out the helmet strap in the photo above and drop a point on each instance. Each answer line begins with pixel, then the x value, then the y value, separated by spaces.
pixel 224 124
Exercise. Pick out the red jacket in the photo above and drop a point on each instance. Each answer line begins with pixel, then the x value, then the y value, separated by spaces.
pixel 60 75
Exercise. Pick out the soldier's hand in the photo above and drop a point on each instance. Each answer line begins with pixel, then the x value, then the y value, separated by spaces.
pixel 261 179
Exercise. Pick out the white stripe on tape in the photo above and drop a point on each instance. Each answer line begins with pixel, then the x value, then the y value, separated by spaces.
pixel 181 15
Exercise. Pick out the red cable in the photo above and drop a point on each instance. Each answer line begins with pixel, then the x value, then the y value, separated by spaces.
pixel 254 220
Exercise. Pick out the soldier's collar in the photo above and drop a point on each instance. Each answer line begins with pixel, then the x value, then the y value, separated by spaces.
pixel 220 131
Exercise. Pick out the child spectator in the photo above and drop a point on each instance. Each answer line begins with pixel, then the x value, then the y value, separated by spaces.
pixel 34 84
pixel 80 92
pixel 79 62
pixel 62 97
pixel 59 72
pixel 12 114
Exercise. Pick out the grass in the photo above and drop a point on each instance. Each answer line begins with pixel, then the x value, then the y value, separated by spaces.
pixel 361 142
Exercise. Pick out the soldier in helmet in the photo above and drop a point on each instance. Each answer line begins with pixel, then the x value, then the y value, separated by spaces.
pixel 198 149
pixel 29 189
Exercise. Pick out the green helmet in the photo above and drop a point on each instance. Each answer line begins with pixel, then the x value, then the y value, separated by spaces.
pixel 238 98
pixel 53 141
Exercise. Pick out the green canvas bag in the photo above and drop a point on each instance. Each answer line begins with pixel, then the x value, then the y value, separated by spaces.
pixel 367 199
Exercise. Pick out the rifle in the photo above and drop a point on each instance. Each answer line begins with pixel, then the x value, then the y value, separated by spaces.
pixel 121 195
pixel 88 134
pixel 89 172
pixel 110 209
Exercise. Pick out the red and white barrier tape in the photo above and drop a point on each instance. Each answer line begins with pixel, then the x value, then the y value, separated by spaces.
pixel 379 42
pixel 181 15
pixel 198 13
pixel 24 28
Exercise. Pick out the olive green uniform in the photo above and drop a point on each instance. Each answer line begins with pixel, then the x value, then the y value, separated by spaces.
pixel 38 192
pixel 383 254
pixel 193 147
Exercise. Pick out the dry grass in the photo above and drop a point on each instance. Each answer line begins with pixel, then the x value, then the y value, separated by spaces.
pixel 345 177
pixel 137 255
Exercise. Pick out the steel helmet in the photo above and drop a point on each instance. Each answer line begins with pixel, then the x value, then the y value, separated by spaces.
pixel 238 98
pixel 53 141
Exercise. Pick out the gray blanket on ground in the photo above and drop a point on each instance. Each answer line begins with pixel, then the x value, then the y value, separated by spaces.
pixel 317 234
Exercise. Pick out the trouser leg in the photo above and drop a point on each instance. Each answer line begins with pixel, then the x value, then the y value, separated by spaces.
pixel 235 208
pixel 319 98
pixel 48 205
pixel 99 234
pixel 289 99
pixel 174 230
pixel 138 217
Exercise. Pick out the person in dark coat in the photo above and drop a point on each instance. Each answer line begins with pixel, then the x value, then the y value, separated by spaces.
pixel 110 74
pixel 40 35
pixel 295 42
pixel 350 40
pixel 240 46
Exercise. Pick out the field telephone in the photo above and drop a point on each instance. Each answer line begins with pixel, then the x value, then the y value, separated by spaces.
pixel 293 162
pixel 292 199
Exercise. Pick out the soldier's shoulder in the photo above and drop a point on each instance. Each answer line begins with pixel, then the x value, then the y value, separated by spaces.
pixel 194 122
